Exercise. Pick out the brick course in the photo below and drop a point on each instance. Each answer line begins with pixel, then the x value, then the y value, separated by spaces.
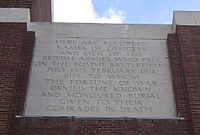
pixel 189 44
pixel 19 99
pixel 11 46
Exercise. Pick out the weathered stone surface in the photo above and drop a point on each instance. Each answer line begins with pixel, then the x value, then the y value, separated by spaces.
pixel 14 15
pixel 106 71
pixel 144 31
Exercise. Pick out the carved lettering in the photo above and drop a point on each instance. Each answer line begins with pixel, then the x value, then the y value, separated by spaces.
pixel 100 77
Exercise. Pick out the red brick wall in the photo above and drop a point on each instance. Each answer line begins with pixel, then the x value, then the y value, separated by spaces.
pixel 40 9
pixel 180 93
pixel 186 73
pixel 13 46
pixel 11 41
pixel 19 99
pixel 67 126
pixel 189 45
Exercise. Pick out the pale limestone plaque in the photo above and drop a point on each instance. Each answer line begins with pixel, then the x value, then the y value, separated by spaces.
pixel 100 77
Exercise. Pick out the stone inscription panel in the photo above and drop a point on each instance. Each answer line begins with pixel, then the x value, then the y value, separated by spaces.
pixel 100 77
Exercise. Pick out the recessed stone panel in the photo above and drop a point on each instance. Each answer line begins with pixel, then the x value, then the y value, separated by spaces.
pixel 100 77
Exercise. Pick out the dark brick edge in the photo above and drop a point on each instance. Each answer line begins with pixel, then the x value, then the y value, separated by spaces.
pixel 23 76
pixel 189 44
pixel 11 43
